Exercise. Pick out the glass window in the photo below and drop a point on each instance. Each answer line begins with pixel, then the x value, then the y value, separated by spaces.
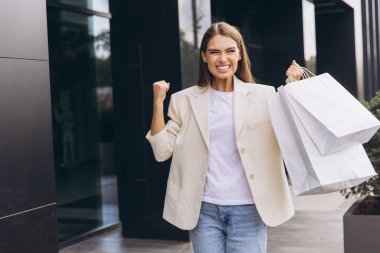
pixel 310 48
pixel 82 115
pixel 194 19
pixel 96 5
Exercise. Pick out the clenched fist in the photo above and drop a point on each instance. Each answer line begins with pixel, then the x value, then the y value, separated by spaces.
pixel 159 91
pixel 294 72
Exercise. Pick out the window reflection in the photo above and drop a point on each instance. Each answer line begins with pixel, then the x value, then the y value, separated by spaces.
pixel 310 48
pixel 194 18
pixel 82 102
pixel 96 5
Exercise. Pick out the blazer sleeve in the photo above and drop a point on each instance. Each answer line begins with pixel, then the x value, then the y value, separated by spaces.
pixel 163 142
pixel 272 89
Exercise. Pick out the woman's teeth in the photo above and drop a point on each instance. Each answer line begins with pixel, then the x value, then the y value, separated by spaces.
pixel 222 67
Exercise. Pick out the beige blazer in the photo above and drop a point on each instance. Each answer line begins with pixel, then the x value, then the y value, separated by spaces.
pixel 186 139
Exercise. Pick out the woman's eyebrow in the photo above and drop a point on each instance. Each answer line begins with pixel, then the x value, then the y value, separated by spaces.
pixel 213 49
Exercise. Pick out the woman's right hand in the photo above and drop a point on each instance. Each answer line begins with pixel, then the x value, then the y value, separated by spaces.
pixel 159 91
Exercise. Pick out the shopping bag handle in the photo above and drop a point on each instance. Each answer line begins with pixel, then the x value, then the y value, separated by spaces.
pixel 306 74
pixel 290 79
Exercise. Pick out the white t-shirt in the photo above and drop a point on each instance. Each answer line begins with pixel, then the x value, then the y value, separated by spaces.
pixel 226 183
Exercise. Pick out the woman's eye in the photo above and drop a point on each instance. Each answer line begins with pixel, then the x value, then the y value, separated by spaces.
pixel 231 51
pixel 213 52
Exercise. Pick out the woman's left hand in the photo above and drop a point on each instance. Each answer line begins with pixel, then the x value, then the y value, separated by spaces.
pixel 294 72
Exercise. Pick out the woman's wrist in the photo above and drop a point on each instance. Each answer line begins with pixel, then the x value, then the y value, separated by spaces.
pixel 158 104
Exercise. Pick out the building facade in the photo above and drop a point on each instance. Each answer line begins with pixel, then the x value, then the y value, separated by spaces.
pixel 76 91
pixel 27 191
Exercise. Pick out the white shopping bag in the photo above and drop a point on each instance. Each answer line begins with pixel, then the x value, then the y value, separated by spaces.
pixel 309 171
pixel 333 118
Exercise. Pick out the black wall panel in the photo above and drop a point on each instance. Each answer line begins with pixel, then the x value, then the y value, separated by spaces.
pixel 25 133
pixel 371 47
pixel 336 44
pixel 272 31
pixel 145 48
pixel 23 29
pixel 27 187
pixel 29 232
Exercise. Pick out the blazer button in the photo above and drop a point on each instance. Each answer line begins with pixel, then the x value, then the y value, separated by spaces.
pixel 242 150
pixel 251 177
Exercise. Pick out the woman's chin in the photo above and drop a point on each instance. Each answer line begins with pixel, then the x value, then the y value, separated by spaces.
pixel 226 75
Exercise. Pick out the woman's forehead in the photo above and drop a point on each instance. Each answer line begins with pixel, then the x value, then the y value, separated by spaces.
pixel 221 42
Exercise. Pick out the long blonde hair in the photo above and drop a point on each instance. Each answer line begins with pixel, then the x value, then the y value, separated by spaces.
pixel 243 71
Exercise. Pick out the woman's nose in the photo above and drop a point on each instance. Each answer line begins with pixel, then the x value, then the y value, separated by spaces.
pixel 222 58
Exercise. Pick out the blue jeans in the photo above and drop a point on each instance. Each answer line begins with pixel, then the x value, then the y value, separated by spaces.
pixel 229 229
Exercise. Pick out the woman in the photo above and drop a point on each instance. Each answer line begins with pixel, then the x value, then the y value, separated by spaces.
pixel 226 181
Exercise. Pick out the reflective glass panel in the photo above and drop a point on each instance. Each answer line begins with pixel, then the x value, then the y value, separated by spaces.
pixel 194 19
pixel 96 5
pixel 310 47
pixel 82 115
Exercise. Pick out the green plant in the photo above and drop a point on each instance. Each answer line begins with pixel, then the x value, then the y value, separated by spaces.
pixel 372 186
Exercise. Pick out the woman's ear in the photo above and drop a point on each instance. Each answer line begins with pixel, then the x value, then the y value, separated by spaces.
pixel 203 56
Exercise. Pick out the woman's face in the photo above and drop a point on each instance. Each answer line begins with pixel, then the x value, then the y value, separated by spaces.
pixel 222 56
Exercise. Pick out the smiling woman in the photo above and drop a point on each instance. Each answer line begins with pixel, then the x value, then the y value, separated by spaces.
pixel 222 57
pixel 226 162
pixel 223 49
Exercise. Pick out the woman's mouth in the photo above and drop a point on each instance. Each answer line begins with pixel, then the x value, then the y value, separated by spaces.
pixel 223 68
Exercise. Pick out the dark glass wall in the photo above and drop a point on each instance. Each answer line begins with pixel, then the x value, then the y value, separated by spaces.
pixel 194 17
pixel 272 31
pixel 27 199
pixel 82 116
pixel 371 46
pixel 145 48
pixel 335 37
pixel 95 5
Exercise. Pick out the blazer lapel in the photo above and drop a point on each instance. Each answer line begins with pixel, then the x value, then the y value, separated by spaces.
pixel 200 104
pixel 241 104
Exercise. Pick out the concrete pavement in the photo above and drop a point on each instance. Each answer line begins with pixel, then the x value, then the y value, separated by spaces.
pixel 317 227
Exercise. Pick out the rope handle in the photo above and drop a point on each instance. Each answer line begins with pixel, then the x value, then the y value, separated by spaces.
pixel 306 74
pixel 290 79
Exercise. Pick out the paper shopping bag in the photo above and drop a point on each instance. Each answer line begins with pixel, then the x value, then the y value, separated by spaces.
pixel 332 117
pixel 309 171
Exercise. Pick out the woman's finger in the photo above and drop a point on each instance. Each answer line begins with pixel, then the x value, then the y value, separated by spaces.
pixel 164 85
pixel 295 63
pixel 291 71
pixel 294 67
pixel 297 70
pixel 294 72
